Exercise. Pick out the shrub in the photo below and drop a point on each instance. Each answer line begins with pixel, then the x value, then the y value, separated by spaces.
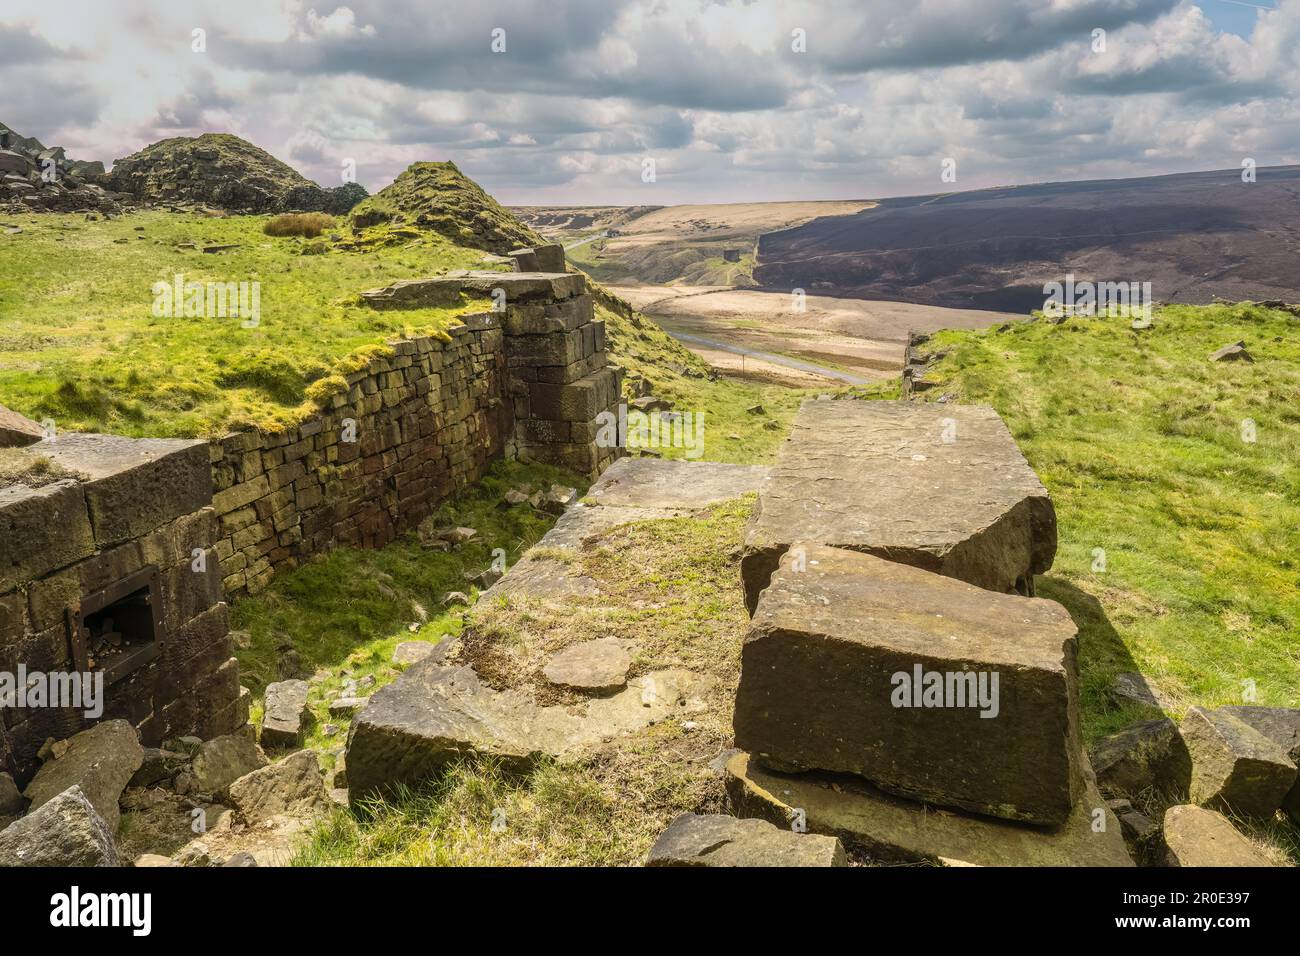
pixel 306 224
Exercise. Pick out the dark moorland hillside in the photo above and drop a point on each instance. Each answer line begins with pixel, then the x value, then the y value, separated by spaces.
pixel 1196 237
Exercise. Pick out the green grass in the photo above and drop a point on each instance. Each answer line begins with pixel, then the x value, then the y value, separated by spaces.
pixel 79 342
pixel 1138 437
pixel 670 586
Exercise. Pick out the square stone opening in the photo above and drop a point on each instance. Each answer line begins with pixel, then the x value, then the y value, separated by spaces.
pixel 119 629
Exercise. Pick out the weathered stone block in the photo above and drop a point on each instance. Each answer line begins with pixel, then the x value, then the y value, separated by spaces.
pixel 286 713
pixel 1150 755
pixel 135 484
pixel 18 430
pixel 65 831
pixel 523 286
pixel 579 401
pixel 1195 836
pixel 891 829
pixel 929 687
pixel 1235 768
pixel 41 530
pixel 413 294
pixel 940 487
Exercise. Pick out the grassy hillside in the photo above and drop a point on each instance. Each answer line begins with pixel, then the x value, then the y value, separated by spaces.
pixel 79 342
pixel 1143 443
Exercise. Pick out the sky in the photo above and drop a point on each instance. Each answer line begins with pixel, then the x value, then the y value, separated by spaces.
pixel 574 102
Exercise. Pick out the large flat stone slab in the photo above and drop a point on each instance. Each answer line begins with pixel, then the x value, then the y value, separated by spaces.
pixel 713 839
pixel 1235 768
pixel 939 487
pixel 134 484
pixel 894 830
pixel 836 675
pixel 674 485
pixel 631 489
pixel 434 714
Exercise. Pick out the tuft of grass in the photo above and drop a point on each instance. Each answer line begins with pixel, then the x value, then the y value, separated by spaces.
pixel 18 466
pixel 309 225
pixel 1182 473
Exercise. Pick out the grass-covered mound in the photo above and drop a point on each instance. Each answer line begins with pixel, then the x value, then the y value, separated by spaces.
pixel 80 343
pixel 225 172
pixel 1179 535
pixel 438 197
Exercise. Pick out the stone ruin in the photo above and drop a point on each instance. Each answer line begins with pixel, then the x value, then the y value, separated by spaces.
pixel 122 564
pixel 113 573
pixel 36 179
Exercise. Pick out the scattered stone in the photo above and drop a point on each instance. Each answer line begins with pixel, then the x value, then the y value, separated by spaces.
pixel 1235 768
pixel 293 787
pixel 483 579
pixel 756 410
pixel 515 497
pixel 820 689
pixel 223 760
pixel 891 829
pixel 99 761
pixel 242 640
pixel 649 403
pixel 412 652
pixel 11 800
pixel 152 860
pixel 1196 836
pixel 347 706
pixel 454 597
pixel 63 831
pixel 159 767
pixel 556 499
pixel 193 854
pixel 188 745
pixel 949 492
pixel 717 840
pixel 597 667
pixel 338 796
pixel 1149 755
pixel 1132 688
pixel 1236 352
pixel 241 859
pixel 286 713
pixel 329 730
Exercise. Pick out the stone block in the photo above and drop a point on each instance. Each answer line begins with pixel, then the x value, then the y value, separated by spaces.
pixel 134 484
pixel 1235 768
pixel 940 487
pixel 42 530
pixel 926 686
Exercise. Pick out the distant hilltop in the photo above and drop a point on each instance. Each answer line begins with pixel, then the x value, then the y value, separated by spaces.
pixel 222 171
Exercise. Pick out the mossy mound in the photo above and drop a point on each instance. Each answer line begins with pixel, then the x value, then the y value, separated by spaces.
pixel 439 197
pixel 223 171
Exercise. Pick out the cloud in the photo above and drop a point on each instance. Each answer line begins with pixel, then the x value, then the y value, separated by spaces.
pixel 583 90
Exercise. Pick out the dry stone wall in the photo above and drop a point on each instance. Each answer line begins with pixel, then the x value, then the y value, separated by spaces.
pixel 528 379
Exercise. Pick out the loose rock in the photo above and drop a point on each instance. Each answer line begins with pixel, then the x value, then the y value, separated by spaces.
pixel 286 713
pixel 100 761
pixel 1196 836
pixel 1235 768
pixel 717 840
pixel 65 830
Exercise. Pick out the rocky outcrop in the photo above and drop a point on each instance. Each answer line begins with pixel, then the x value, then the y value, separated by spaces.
pixel 928 687
pixel 222 171
pixel 948 489
pixel 440 198
pixel 1196 836
pixel 65 830
pixel 714 839
pixel 36 179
